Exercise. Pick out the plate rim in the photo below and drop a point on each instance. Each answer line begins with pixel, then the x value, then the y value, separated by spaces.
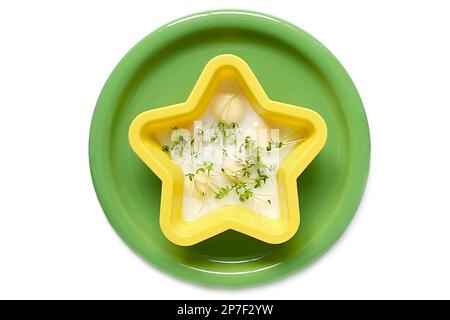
pixel 314 51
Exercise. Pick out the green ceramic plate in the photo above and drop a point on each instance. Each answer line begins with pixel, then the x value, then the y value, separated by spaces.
pixel 293 67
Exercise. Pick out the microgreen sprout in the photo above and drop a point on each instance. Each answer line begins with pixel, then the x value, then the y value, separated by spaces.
pixel 201 169
pixel 260 179
pixel 222 192
pixel 245 195
pixel 246 171
pixel 248 142
pixel 274 144
pixel 246 168
pixel 208 165
pixel 239 186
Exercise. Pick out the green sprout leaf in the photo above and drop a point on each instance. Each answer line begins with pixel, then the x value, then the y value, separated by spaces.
pixel 201 169
pixel 222 192
pixel 245 195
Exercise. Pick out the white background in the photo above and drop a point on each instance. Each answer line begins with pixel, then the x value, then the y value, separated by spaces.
pixel 55 241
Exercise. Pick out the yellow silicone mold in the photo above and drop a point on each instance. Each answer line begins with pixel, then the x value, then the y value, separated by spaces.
pixel 239 218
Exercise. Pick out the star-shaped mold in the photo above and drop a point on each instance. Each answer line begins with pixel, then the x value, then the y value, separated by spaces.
pixel 236 217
